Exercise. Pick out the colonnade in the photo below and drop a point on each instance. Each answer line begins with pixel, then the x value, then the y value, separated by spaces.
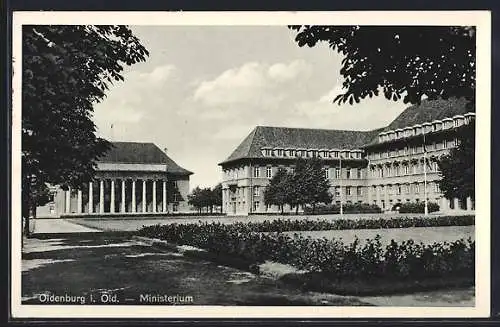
pixel 126 204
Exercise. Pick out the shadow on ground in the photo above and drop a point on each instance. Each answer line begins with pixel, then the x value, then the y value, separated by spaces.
pixel 89 265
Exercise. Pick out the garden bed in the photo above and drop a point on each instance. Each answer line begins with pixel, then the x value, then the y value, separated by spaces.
pixel 414 265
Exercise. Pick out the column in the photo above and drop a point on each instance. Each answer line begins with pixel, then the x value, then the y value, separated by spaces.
pixel 79 200
pixel 112 204
pixel 164 199
pixel 143 195
pixel 101 196
pixel 456 204
pixel 123 196
pixel 91 198
pixel 134 204
pixel 68 200
pixel 154 195
pixel 469 203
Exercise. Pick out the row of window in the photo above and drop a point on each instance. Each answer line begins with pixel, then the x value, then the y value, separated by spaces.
pixel 403 170
pixel 405 188
pixel 391 189
pixel 407 150
pixel 351 173
pixel 425 128
pixel 312 153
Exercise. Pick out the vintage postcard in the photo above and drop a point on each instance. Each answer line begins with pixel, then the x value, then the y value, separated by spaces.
pixel 251 164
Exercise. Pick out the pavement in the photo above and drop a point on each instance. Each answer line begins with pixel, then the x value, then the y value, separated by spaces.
pixel 54 225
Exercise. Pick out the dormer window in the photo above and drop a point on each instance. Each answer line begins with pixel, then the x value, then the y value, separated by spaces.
pixel 279 152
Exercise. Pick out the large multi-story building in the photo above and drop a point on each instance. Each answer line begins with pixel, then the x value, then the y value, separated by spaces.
pixel 130 178
pixel 385 166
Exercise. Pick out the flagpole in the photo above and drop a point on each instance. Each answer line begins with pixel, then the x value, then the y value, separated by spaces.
pixel 340 183
pixel 426 211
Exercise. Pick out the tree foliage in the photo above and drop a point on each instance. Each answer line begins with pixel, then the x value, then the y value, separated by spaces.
pixel 306 185
pixel 399 61
pixel 66 71
pixel 277 191
pixel 457 169
pixel 207 198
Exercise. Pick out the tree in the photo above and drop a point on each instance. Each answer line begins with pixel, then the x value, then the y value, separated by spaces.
pixel 217 196
pixel 196 198
pixel 276 192
pixel 400 61
pixel 308 185
pixel 66 71
pixel 457 169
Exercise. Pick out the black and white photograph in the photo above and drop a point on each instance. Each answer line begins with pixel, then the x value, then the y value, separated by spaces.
pixel 258 164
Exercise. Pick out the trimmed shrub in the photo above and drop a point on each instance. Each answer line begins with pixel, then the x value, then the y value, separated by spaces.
pixel 417 207
pixel 332 257
pixel 346 208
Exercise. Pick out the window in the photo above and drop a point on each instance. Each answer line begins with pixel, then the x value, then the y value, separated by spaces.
pixel 435 166
pixel 414 168
pixel 360 173
pixel 280 153
pixel 337 191
pixel 256 191
pixel 360 190
pixel 348 173
pixel 256 205
pixel 235 174
pixel 292 170
pixel 268 152
pixel 256 172
pixel 407 188
pixel 374 189
pixel 269 172
pixel 417 188
pixel 348 190
pixel 406 169
pixel 337 173
pixel 398 189
pixel 436 188
pixel 335 154
pixel 327 173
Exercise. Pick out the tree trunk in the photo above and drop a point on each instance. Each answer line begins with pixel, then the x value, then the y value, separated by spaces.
pixel 282 209
pixel 297 210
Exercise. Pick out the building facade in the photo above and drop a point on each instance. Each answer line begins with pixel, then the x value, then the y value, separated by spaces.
pixel 386 166
pixel 131 178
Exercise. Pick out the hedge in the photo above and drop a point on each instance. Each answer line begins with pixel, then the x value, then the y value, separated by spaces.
pixel 332 257
pixel 346 208
pixel 417 207
pixel 289 225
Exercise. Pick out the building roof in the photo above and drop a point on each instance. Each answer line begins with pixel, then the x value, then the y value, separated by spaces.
pixel 427 111
pixel 141 153
pixel 285 137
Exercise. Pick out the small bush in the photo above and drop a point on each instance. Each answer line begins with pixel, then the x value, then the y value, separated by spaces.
pixel 417 207
pixel 346 208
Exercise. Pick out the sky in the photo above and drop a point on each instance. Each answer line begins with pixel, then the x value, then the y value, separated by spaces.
pixel 203 89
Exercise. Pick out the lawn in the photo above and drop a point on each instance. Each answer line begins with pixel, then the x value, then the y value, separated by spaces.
pixel 134 223
pixel 427 235
pixel 85 265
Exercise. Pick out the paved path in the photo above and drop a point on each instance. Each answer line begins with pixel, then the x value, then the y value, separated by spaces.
pixel 44 226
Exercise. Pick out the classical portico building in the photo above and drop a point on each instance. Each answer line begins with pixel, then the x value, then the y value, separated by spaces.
pixel 130 178
pixel 386 166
